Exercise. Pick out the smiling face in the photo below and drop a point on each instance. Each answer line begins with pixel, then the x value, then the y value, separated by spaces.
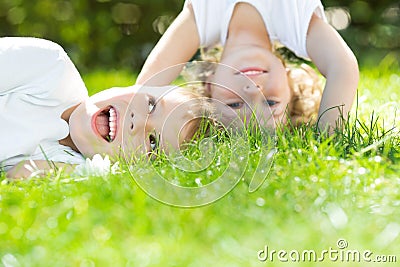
pixel 251 80
pixel 138 120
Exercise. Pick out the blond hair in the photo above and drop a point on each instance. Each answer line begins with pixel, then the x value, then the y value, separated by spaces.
pixel 304 82
pixel 200 110
pixel 306 91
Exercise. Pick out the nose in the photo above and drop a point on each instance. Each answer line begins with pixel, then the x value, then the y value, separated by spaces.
pixel 253 91
pixel 131 120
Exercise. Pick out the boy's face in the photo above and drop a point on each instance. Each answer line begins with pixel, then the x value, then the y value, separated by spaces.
pixel 251 80
pixel 138 120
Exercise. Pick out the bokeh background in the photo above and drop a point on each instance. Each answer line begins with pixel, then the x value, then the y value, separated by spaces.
pixel 109 34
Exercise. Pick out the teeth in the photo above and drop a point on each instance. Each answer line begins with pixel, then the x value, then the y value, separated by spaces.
pixel 112 123
pixel 252 72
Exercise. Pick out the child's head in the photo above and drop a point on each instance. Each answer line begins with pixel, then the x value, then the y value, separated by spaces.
pixel 137 120
pixel 260 82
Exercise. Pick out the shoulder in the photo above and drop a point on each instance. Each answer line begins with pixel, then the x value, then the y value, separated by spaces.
pixel 29 54
pixel 290 22
pixel 30 45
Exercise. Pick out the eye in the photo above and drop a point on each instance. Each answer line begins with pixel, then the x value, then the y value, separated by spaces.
pixel 152 104
pixel 271 102
pixel 153 142
pixel 236 105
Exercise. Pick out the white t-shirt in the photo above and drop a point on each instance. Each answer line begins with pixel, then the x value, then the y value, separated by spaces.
pixel 286 21
pixel 38 82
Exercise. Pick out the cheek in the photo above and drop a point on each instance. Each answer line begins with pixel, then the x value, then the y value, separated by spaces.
pixel 223 95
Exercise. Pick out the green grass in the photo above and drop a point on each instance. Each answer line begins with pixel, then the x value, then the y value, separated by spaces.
pixel 318 191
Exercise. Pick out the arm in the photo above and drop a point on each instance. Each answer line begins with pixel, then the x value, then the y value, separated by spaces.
pixel 178 44
pixel 26 169
pixel 337 63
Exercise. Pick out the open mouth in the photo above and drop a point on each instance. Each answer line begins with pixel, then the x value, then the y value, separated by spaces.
pixel 105 123
pixel 252 71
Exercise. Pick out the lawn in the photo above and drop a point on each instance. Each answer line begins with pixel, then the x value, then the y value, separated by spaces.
pixel 339 197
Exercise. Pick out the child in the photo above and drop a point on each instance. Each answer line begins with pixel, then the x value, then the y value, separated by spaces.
pixel 47 116
pixel 247 30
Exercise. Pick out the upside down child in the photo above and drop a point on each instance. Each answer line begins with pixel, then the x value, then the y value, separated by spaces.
pixel 247 31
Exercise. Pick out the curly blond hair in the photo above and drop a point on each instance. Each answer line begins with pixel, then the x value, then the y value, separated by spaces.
pixel 306 90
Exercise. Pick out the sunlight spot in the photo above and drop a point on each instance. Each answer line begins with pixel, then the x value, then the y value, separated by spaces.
pixel 378 159
pixel 198 181
pixel 16 15
pixel 347 184
pixel 362 171
pixel 69 215
pixel 381 209
pixel 314 178
pixel 9 260
pixel 31 234
pixel 52 222
pixel 372 186
pixel 124 13
pixel 388 235
pixel 321 198
pixel 32 204
pixel 101 233
pixel 161 24
pixel 260 202
pixel 378 181
pixel 298 208
pixel 81 205
pixel 209 173
pixel 338 17
pixel 297 179
pixel 321 192
pixel 394 78
pixel 392 13
pixel 40 252
pixel 336 215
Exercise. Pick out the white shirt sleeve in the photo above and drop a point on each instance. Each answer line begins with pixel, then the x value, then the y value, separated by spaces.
pixel 23 60
pixel 38 82
pixel 289 22
pixel 209 17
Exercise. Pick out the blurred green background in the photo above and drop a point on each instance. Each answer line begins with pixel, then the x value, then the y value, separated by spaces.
pixel 119 34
